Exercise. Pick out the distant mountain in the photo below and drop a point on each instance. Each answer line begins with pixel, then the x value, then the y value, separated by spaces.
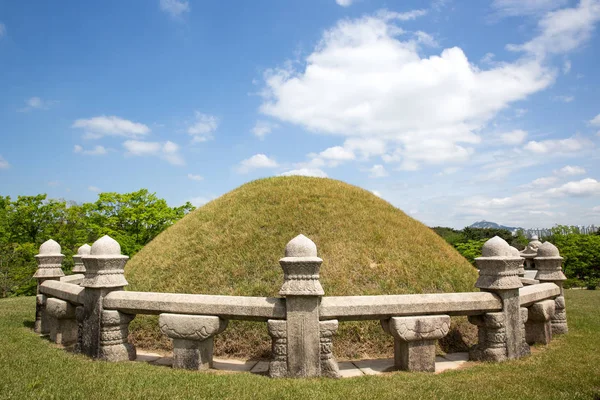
pixel 488 224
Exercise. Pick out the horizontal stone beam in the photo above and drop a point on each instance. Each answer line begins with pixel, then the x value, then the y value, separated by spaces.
pixel 529 282
pixel 63 290
pixel 534 293
pixel 352 308
pixel 227 307
pixel 74 279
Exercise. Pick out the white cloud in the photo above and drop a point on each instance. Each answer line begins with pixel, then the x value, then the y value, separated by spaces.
pixel 582 188
pixel 37 103
pixel 263 128
pixel 595 121
pixel 376 193
pixel 256 161
pixel 167 151
pixel 513 8
pixel 203 128
pixel 563 30
pixel 3 163
pixel 400 16
pixel 560 146
pixel 517 136
pixel 566 67
pixel 175 8
pixel 363 81
pixel 366 147
pixel 569 170
pixel 564 99
pixel 542 182
pixel 2 30
pixel 98 127
pixel 197 178
pixel 378 171
pixel 53 183
pixel 96 151
pixel 314 172
pixel 344 3
pixel 94 189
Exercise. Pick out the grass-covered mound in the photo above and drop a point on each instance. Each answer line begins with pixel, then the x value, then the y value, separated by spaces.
pixel 232 245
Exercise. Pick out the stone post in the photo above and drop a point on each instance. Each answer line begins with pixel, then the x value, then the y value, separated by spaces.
pixel 63 326
pixel 303 291
pixel 193 338
pixel 329 365
pixel 49 261
pixel 414 340
pixel 549 266
pixel 498 273
pixel 521 269
pixel 525 350
pixel 78 267
pixel 539 328
pixel 104 333
pixel 530 252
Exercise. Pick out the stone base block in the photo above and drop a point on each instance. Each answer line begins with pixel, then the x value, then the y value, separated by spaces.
pixel 418 356
pixel 193 354
pixel 64 331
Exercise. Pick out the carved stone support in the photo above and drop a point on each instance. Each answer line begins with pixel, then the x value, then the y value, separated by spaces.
pixel 491 345
pixel 63 326
pixel 114 331
pixel 278 332
pixel 193 338
pixel 414 340
pixel 539 326
pixel 78 266
pixel 525 350
pixel 278 364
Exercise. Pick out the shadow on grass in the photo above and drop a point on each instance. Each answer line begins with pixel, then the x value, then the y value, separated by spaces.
pixel 29 324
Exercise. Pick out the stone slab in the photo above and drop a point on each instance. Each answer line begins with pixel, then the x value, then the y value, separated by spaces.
pixel 234 365
pixel 261 368
pixel 383 307
pixel 227 307
pixel 349 370
pixel 445 365
pixel 457 356
pixel 164 361
pixel 375 366
pixel 534 293
pixel 63 290
pixel 143 356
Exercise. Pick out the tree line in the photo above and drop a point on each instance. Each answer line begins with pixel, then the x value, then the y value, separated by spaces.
pixel 581 251
pixel 132 219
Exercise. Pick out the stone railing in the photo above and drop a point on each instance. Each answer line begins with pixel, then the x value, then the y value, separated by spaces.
pixel 93 311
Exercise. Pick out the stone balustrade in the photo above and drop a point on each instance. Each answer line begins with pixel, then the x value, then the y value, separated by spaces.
pixel 94 310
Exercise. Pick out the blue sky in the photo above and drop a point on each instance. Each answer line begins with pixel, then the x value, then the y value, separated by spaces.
pixel 453 111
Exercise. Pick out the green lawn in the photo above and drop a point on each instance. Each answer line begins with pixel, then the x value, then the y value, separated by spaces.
pixel 31 367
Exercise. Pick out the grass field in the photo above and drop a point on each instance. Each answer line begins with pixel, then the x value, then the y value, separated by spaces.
pixel 33 368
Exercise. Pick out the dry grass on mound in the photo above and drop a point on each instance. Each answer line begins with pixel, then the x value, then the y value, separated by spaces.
pixel 232 245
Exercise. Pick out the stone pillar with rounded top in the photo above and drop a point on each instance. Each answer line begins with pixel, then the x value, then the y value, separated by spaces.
pixel 78 267
pixel 515 253
pixel 530 252
pixel 193 338
pixel 63 326
pixel 104 332
pixel 538 328
pixel 49 260
pixel 414 340
pixel 500 333
pixel 549 266
pixel 303 291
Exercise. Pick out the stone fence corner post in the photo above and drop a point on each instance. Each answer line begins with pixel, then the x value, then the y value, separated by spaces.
pixel 49 261
pixel 501 334
pixel 104 332
pixel 78 266
pixel 549 266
